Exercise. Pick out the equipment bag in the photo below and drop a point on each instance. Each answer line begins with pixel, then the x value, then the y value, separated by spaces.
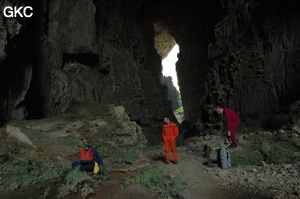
pixel 225 158
pixel 96 168
pixel 86 156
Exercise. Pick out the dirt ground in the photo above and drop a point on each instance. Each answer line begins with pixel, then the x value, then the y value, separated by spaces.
pixel 190 170
pixel 53 136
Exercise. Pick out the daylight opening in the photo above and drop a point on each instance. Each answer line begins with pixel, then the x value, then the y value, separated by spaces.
pixel 167 48
pixel 169 65
pixel 171 81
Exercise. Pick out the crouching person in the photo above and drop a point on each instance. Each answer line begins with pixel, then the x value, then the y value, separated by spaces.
pixel 88 159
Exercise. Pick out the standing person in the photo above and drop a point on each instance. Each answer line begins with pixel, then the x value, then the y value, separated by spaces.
pixel 169 134
pixel 233 121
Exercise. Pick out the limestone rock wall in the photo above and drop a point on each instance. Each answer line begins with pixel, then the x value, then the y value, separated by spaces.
pixel 242 53
pixel 163 41
pixel 15 68
pixel 81 51
pixel 256 67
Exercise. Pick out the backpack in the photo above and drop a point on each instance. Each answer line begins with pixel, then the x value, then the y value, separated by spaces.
pixel 225 158
pixel 86 155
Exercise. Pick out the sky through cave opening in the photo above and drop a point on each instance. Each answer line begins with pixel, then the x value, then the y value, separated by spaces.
pixel 169 65
pixel 170 73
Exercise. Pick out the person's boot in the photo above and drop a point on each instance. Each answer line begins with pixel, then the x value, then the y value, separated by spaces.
pixel 232 146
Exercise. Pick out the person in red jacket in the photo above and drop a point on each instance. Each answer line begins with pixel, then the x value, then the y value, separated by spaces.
pixel 169 133
pixel 233 121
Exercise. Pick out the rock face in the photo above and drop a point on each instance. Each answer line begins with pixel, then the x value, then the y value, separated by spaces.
pixel 163 41
pixel 255 68
pixel 89 52
pixel 105 52
pixel 255 43
pixel 129 131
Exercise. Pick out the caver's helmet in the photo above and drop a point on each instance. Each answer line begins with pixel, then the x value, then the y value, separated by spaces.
pixel 87 147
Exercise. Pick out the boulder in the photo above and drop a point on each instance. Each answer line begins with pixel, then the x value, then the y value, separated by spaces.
pixel 246 156
pixel 265 148
pixel 279 155
pixel 296 127
pixel 295 107
pixel 16 133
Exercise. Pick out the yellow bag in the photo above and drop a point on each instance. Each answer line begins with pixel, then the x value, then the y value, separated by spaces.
pixel 96 168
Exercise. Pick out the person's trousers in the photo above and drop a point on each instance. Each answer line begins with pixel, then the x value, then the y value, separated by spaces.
pixel 232 134
pixel 77 163
pixel 170 144
pixel 232 137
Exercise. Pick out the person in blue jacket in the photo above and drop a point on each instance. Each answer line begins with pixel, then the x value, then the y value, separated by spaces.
pixel 90 167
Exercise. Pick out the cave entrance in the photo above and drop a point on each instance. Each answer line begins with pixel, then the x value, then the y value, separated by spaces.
pixel 169 65
pixel 169 78
pixel 168 49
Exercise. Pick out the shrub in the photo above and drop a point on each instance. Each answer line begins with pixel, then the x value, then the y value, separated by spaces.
pixel 155 181
pixel 76 181
pixel 24 174
pixel 179 110
pixel 126 155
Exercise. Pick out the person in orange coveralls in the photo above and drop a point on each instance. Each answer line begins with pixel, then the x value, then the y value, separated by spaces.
pixel 169 133
pixel 233 121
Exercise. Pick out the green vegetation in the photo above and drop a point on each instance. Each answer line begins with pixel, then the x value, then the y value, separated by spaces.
pixel 22 175
pixel 156 182
pixel 103 150
pixel 76 181
pixel 246 157
pixel 67 141
pixel 151 148
pixel 280 155
pixel 120 144
pixel 280 152
pixel 18 175
pixel 126 155
pixel 179 110
pixel 123 153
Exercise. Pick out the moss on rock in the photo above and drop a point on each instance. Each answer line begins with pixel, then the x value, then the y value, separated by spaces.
pixel 246 157
pixel 279 154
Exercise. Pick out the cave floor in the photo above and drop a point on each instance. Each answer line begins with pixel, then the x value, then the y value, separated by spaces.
pixel 190 171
